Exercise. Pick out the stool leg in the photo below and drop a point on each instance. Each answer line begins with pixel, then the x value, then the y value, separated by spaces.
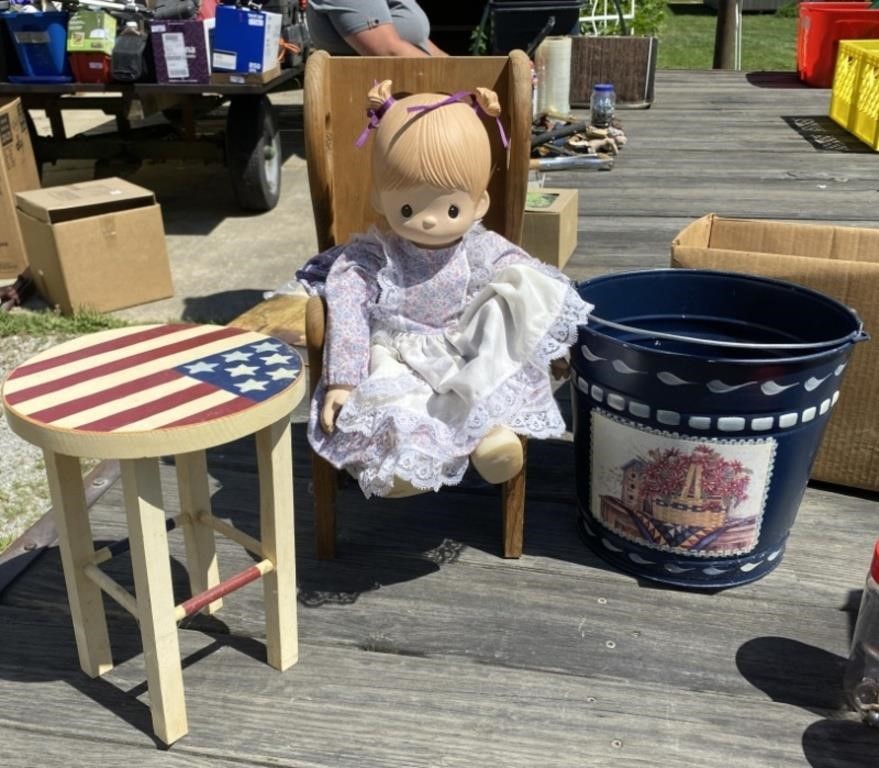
pixel 77 550
pixel 201 551
pixel 274 453
pixel 150 563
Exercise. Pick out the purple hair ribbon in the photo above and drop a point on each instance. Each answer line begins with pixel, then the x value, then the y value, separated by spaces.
pixel 375 116
pixel 463 96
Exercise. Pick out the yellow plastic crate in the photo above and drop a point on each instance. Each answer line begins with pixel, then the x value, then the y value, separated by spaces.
pixel 854 100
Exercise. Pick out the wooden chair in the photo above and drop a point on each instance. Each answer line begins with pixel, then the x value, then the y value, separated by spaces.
pixel 339 177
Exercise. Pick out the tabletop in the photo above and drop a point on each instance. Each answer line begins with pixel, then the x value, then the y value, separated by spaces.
pixel 152 390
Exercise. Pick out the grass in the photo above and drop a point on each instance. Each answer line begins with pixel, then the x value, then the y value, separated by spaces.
pixel 48 323
pixel 686 39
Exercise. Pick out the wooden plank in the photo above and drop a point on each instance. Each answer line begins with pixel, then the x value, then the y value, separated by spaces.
pixel 392 709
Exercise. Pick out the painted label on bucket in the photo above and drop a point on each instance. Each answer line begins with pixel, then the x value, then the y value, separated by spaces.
pixel 692 496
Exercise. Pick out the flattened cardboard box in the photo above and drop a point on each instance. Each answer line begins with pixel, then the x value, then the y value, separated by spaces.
pixel 18 172
pixel 97 245
pixel 842 262
pixel 549 226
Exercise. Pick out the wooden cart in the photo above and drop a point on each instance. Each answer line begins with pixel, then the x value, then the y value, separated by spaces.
pixel 249 143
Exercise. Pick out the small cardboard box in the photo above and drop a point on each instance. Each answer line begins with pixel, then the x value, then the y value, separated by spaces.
pixel 182 50
pixel 18 172
pixel 245 41
pixel 842 262
pixel 97 245
pixel 91 32
pixel 549 227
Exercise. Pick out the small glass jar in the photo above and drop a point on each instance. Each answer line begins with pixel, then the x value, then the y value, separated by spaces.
pixel 602 104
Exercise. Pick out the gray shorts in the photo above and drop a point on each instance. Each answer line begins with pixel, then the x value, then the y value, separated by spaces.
pixel 331 21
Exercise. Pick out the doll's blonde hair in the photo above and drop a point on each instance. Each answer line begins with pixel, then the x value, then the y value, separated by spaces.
pixel 446 147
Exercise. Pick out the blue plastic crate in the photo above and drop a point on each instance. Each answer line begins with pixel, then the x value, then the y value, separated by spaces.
pixel 41 44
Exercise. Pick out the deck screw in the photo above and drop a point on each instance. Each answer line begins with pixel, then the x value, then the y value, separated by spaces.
pixel 616 744
pixel 30 546
pixel 611 644
pixel 602 601
pixel 99 482
pixel 591 699
pixel 636 633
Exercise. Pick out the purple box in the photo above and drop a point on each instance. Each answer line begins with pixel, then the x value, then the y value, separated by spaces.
pixel 182 50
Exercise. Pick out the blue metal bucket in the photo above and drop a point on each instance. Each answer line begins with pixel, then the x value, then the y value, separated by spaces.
pixel 700 398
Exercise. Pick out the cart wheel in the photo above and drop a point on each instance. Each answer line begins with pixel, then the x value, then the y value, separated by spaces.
pixel 253 152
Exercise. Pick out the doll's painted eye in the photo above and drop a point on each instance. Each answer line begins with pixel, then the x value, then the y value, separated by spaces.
pixel 453 211
pixel 406 211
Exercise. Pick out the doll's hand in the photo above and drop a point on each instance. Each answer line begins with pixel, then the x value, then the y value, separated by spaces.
pixel 335 397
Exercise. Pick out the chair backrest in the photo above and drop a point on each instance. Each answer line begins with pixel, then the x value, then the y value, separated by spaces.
pixel 335 114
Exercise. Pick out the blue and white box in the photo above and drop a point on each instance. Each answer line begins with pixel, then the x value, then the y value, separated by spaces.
pixel 245 41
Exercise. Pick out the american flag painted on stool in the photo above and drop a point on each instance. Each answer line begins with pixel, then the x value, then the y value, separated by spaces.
pixel 151 377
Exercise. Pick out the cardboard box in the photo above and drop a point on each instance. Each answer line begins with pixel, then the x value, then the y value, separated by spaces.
pixel 549 227
pixel 182 50
pixel 18 172
pixel 98 245
pixel 245 41
pixel 842 262
pixel 91 32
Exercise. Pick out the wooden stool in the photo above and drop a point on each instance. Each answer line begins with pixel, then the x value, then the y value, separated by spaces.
pixel 136 394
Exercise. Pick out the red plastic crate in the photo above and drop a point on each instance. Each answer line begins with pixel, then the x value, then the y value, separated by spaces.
pixel 90 67
pixel 821 27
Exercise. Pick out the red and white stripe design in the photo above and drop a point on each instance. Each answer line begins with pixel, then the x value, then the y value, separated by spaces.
pixel 124 380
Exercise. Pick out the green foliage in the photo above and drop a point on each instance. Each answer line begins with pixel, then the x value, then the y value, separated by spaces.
pixel 649 15
pixel 49 323
pixel 648 19
pixel 789 10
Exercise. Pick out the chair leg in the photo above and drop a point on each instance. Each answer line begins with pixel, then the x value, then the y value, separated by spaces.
pixel 513 503
pixel 324 481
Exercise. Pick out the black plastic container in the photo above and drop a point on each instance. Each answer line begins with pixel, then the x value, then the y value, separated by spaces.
pixel 519 23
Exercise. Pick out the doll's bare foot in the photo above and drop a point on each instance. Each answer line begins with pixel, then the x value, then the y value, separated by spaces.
pixel 403 488
pixel 498 457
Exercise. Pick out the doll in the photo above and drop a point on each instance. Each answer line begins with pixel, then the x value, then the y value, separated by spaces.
pixel 440 333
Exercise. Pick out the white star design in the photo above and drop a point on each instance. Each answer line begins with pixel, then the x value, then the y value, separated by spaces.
pixel 266 346
pixel 234 357
pixel 242 370
pixel 201 367
pixel 282 373
pixel 252 384
pixel 276 359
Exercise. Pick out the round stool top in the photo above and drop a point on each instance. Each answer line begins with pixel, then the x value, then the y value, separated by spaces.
pixel 152 390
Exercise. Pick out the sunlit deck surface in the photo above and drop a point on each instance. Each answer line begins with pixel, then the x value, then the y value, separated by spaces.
pixel 420 646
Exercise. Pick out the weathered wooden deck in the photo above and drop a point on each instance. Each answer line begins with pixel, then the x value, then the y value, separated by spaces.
pixel 420 646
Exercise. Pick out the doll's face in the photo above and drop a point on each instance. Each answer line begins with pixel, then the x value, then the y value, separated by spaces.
pixel 429 216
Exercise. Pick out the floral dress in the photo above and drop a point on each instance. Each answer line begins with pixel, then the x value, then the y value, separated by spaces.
pixel 441 346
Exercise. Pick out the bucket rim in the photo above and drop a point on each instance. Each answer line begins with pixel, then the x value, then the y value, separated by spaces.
pixel 817 347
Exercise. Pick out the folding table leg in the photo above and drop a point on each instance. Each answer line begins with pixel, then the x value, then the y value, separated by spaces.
pixel 151 566
pixel 77 551
pixel 201 551
pixel 274 453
